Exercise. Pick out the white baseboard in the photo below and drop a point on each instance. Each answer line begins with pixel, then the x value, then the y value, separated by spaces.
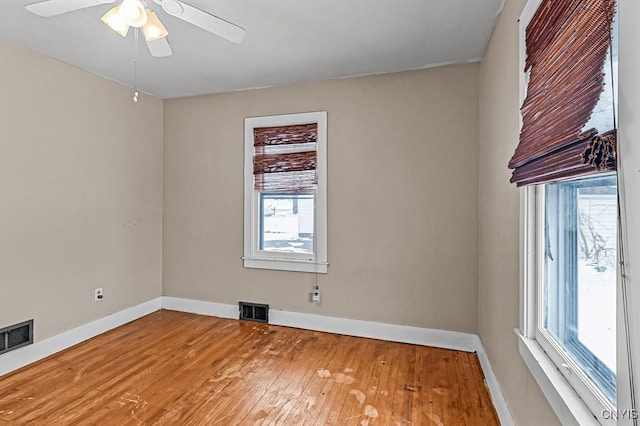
pixel 376 330
pixel 397 333
pixel 201 307
pixel 499 402
pixel 26 355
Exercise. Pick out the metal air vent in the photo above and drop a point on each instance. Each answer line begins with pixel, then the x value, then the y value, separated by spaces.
pixel 254 312
pixel 16 336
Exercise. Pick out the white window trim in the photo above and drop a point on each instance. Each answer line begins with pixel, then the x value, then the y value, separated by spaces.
pixel 254 258
pixel 559 385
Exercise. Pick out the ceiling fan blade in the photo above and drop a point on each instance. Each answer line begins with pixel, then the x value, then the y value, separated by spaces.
pixel 58 7
pixel 211 23
pixel 159 48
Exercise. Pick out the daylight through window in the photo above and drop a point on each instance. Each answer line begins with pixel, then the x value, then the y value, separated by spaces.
pixel 285 192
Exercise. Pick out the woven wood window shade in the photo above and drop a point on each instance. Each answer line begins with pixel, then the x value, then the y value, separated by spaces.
pixel 285 158
pixel 567 42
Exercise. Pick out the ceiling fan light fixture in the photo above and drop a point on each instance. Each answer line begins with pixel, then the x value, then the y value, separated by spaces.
pixel 153 29
pixel 116 22
pixel 133 13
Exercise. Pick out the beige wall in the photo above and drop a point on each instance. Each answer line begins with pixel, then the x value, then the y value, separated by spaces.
pixel 80 194
pixel 498 301
pixel 402 207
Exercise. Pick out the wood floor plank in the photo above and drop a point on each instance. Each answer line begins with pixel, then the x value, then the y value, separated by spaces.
pixel 260 404
pixel 424 365
pixel 256 379
pixel 342 374
pixel 381 390
pixel 375 361
pixel 172 368
pixel 356 376
pixel 311 351
pixel 401 376
pixel 319 384
pixel 442 390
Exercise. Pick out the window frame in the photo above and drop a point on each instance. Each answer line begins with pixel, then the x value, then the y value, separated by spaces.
pixel 570 392
pixel 263 259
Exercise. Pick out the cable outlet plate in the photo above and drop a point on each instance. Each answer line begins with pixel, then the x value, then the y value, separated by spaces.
pixel 99 295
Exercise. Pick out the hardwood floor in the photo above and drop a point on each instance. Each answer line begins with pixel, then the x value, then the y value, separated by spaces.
pixel 173 368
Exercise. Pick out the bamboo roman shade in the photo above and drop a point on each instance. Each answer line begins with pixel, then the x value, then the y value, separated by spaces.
pixel 285 157
pixel 567 42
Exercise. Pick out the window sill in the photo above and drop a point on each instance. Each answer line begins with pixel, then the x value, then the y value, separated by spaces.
pixel 565 402
pixel 295 265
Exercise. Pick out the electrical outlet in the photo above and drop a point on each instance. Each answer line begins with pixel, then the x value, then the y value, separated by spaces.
pixel 315 296
pixel 98 295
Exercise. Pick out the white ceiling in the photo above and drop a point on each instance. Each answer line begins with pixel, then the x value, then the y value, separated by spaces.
pixel 287 41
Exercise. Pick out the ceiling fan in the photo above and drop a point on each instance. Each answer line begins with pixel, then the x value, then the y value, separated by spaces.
pixel 135 13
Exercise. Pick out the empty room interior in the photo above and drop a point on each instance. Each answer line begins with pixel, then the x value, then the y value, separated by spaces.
pixel 338 212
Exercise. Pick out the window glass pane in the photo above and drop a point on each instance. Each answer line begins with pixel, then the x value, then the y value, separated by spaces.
pixel 597 210
pixel 579 297
pixel 602 117
pixel 287 222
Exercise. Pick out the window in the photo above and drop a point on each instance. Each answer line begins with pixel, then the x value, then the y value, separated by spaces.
pixel 285 192
pixel 566 161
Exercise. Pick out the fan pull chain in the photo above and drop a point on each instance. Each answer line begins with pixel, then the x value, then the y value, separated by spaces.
pixel 135 70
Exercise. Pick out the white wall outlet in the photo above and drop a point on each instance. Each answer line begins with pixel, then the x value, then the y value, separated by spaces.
pixel 315 296
pixel 98 295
